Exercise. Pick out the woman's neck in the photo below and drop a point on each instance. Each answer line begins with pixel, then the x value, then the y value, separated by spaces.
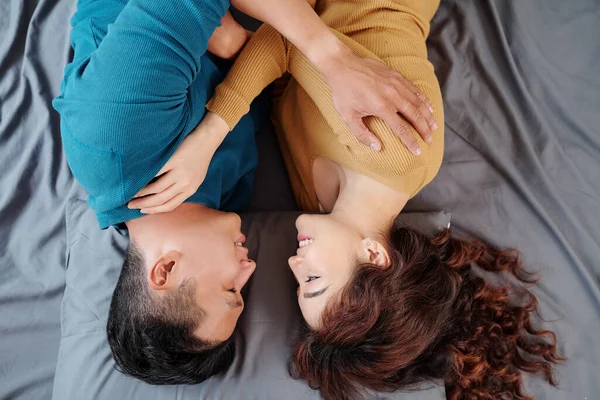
pixel 367 205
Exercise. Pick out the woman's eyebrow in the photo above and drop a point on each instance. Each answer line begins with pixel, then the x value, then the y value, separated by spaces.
pixel 315 294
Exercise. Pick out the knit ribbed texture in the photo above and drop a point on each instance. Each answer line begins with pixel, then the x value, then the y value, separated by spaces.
pixel 137 86
pixel 393 31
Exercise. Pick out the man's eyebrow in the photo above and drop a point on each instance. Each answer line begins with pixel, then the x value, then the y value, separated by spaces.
pixel 315 294
pixel 234 304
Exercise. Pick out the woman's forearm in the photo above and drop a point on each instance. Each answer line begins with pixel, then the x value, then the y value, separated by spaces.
pixel 263 60
pixel 359 87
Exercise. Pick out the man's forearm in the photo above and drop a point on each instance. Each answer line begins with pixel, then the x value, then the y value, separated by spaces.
pixel 360 87
pixel 298 22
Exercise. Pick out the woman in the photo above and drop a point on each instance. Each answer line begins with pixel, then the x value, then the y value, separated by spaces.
pixel 385 309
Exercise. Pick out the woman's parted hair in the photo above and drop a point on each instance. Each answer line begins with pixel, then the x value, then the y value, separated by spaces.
pixel 153 339
pixel 427 318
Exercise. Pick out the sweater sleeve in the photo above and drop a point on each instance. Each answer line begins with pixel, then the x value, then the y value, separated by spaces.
pixel 134 85
pixel 410 59
pixel 263 60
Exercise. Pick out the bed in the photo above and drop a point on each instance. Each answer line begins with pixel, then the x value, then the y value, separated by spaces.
pixel 521 82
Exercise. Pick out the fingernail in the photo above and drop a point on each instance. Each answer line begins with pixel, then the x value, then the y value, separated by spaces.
pixel 430 108
pixel 418 151
pixel 375 146
pixel 434 126
pixel 143 211
pixel 429 139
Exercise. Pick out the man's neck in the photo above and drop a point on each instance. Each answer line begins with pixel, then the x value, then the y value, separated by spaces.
pixel 146 230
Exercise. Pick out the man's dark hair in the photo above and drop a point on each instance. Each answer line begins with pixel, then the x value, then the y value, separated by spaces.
pixel 152 338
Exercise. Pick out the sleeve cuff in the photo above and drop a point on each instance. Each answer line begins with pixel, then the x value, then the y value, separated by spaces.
pixel 228 105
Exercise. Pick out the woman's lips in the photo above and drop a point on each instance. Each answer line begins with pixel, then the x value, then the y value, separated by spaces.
pixel 242 239
pixel 303 237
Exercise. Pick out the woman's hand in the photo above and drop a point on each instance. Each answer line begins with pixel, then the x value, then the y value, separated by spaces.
pixel 363 87
pixel 185 171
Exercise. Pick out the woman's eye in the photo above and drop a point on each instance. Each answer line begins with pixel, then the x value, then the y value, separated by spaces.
pixel 232 290
pixel 311 278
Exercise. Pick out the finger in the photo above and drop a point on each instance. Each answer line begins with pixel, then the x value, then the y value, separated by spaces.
pixel 157 186
pixel 430 118
pixel 166 207
pixel 420 95
pixel 364 135
pixel 414 114
pixel 417 93
pixel 424 104
pixel 156 199
pixel 401 129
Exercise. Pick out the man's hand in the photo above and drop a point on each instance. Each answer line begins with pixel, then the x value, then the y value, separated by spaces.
pixel 360 87
pixel 228 39
pixel 185 171
pixel 364 87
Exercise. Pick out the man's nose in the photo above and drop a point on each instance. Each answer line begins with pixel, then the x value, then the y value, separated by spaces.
pixel 249 265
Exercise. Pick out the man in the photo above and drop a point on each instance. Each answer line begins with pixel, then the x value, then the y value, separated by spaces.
pixel 132 101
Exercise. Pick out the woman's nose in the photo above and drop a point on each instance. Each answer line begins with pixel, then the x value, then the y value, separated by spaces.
pixel 295 262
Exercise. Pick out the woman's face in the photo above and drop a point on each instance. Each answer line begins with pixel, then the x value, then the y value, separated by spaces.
pixel 324 262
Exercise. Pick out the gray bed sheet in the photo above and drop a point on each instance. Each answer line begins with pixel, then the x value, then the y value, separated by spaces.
pixel 521 83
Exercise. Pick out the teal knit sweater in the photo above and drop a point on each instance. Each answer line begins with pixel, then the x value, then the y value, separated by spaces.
pixel 137 86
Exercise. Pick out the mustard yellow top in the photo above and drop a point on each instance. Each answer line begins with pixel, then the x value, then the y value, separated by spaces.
pixel 307 124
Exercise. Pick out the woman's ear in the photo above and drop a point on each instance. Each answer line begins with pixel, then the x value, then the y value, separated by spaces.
pixel 162 273
pixel 376 253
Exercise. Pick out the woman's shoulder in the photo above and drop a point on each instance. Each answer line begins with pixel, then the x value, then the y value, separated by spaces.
pixel 394 165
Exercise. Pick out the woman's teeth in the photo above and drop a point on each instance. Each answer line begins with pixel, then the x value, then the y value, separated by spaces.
pixel 305 242
pixel 240 244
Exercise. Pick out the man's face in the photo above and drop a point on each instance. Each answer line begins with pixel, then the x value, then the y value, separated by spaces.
pixel 218 264
pixel 204 248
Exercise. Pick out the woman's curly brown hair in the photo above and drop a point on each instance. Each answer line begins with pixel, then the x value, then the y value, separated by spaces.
pixel 428 317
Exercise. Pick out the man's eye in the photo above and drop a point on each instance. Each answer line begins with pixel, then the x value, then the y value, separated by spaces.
pixel 311 278
pixel 232 290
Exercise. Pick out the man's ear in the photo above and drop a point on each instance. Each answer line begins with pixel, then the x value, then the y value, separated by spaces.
pixel 376 253
pixel 162 273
